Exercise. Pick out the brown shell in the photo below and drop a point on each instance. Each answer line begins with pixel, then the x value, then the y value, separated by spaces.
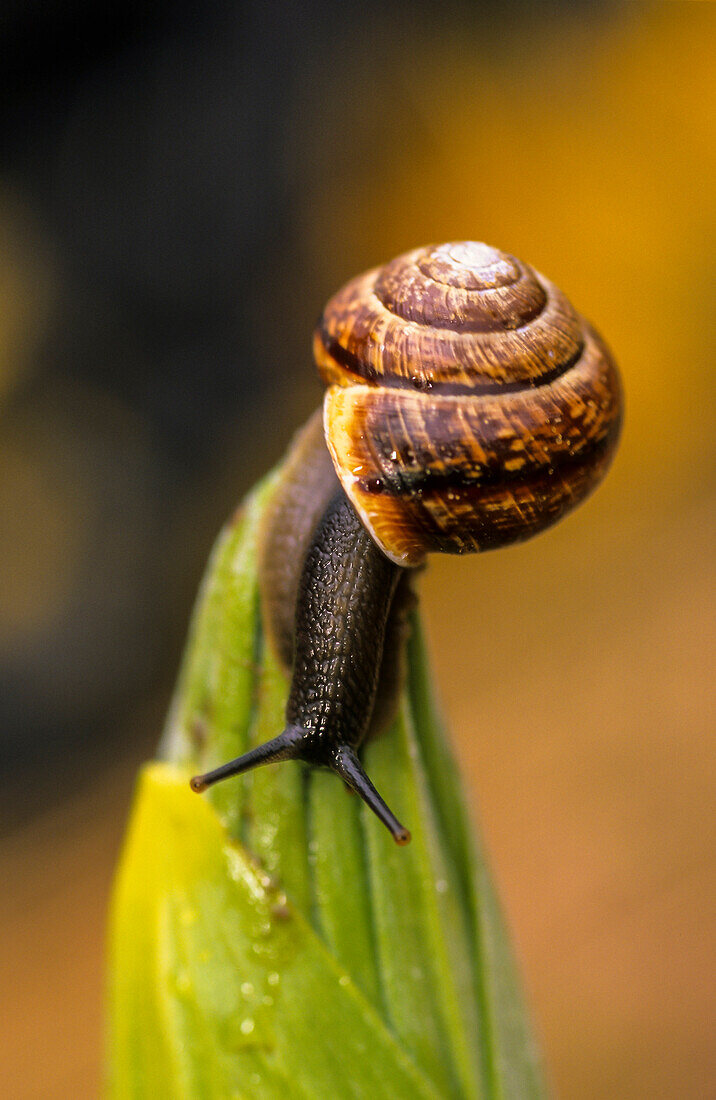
pixel 469 405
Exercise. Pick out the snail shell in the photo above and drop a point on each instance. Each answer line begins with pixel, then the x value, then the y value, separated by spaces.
pixel 469 405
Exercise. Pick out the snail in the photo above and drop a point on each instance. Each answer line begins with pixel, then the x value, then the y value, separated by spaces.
pixel 468 407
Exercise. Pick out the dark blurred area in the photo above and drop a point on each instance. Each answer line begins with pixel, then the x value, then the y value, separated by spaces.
pixel 181 189
pixel 151 154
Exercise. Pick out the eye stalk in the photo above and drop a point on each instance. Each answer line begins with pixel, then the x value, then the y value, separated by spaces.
pixel 295 744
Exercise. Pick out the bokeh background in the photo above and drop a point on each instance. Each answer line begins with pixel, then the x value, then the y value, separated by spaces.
pixel 181 189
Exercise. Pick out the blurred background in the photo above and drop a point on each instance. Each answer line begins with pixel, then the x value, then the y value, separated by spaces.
pixel 181 189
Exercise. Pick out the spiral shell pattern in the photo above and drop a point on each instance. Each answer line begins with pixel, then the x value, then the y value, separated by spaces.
pixel 469 405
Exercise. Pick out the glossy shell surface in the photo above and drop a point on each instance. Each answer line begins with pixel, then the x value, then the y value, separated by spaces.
pixel 469 405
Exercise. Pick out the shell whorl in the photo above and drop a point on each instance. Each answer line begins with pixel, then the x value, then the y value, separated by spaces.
pixel 469 405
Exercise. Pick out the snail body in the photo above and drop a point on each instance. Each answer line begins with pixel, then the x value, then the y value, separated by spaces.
pixel 468 407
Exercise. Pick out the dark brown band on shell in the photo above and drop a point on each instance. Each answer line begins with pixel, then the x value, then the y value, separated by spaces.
pixel 397 326
pixel 469 404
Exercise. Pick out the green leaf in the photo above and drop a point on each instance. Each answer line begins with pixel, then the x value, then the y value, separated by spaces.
pixel 269 938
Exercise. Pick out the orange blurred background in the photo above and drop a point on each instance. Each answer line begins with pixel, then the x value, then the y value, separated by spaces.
pixel 178 197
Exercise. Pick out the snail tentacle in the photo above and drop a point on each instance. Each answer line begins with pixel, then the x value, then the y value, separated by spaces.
pixel 348 766
pixel 284 747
